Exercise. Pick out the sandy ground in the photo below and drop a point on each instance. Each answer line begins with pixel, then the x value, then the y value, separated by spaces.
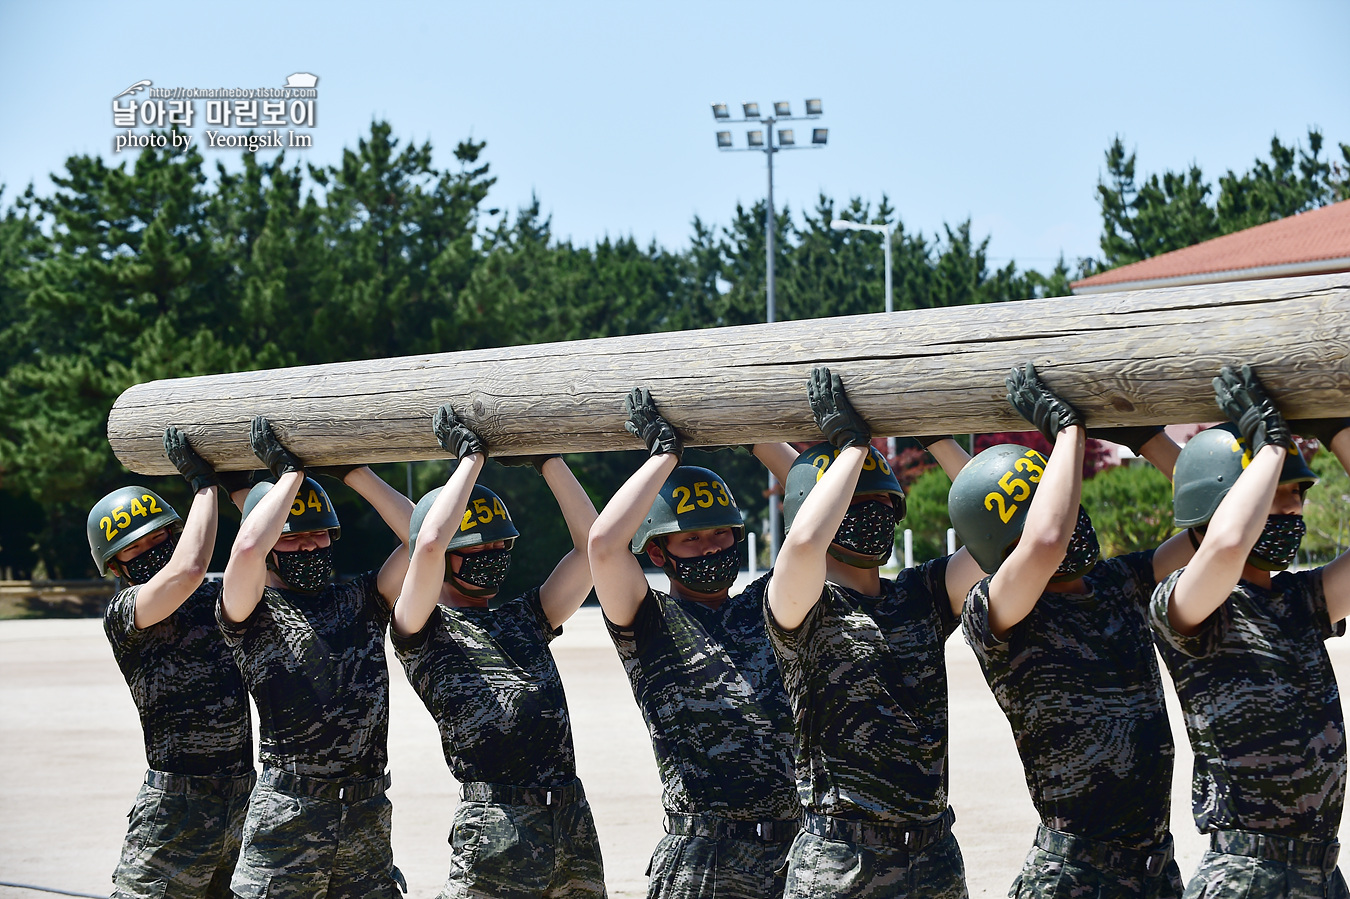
pixel 72 761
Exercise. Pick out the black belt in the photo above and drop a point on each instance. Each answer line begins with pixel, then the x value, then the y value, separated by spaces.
pixel 230 785
pixel 508 795
pixel 912 837
pixel 1106 856
pixel 714 828
pixel 319 788
pixel 1286 850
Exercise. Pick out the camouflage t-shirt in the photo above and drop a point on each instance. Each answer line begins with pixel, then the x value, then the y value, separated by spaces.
pixel 1078 679
pixel 315 666
pixel 186 686
pixel 1262 708
pixel 867 680
pixel 489 680
pixel 709 691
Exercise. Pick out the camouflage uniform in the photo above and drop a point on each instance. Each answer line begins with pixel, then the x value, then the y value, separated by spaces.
pixel 318 821
pixel 867 680
pixel 184 829
pixel 1078 681
pixel 1263 714
pixel 524 828
pixel 714 705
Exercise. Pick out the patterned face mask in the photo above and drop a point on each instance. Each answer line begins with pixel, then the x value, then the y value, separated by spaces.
pixel 148 564
pixel 705 574
pixel 1083 551
pixel 868 530
pixel 1278 544
pixel 484 570
pixel 307 571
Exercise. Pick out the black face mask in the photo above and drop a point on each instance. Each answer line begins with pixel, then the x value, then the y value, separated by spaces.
pixel 705 574
pixel 1278 544
pixel 306 571
pixel 1083 551
pixel 868 529
pixel 485 571
pixel 148 564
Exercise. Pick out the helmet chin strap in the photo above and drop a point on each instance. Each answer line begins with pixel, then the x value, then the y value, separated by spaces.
pixel 853 560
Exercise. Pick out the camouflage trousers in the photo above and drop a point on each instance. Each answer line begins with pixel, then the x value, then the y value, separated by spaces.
pixel 1064 866
pixel 183 837
pixel 1241 865
pixel 706 857
pixel 852 860
pixel 524 843
pixel 317 839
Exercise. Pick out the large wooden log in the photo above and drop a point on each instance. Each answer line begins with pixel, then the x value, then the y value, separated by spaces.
pixel 1122 359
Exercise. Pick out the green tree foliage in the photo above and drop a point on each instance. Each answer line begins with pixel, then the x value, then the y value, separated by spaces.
pixel 1145 217
pixel 1326 512
pixel 1131 508
pixel 926 514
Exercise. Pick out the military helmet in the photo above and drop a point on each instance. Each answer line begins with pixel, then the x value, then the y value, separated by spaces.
pixel 485 520
pixel 691 499
pixel 123 517
pixel 312 510
pixel 989 499
pixel 810 466
pixel 1209 466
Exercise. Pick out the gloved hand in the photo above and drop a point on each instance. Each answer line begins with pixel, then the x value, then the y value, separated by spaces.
pixel 536 460
pixel 269 450
pixel 835 416
pixel 336 472
pixel 194 469
pixel 1323 430
pixel 1243 399
pixel 1133 437
pixel 1034 402
pixel 645 423
pixel 453 435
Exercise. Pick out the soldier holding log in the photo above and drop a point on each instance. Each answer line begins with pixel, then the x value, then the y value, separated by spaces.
pixel 312 654
pixel 523 829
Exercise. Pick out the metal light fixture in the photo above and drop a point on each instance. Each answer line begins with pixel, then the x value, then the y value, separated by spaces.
pixel 723 140
pixel 751 110
pixel 785 138
pixel 782 109
pixel 720 111
pixel 813 107
pixel 755 138
pixel 820 135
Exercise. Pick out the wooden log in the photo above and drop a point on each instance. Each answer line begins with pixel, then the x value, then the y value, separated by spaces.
pixel 1131 358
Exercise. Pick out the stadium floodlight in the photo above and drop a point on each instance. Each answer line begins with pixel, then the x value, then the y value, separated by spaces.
pixel 751 110
pixel 820 135
pixel 723 140
pixel 785 138
pixel 782 109
pixel 755 138
pixel 720 111
pixel 813 107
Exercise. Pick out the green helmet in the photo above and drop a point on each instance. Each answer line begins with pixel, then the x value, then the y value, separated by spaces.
pixel 311 511
pixel 810 466
pixel 989 499
pixel 1209 466
pixel 123 517
pixel 691 499
pixel 485 520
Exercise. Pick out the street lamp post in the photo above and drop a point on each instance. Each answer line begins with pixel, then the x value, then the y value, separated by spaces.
pixel 763 140
pixel 885 232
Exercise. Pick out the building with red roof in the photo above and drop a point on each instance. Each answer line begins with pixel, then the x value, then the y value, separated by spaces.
pixel 1316 242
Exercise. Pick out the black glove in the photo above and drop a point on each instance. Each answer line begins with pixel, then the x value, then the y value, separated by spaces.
pixel 835 416
pixel 232 481
pixel 336 472
pixel 453 435
pixel 1034 402
pixel 194 469
pixel 269 450
pixel 1243 399
pixel 645 423
pixel 536 460
pixel 1132 437
pixel 1323 430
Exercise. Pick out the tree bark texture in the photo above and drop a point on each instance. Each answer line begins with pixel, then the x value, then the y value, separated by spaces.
pixel 1131 358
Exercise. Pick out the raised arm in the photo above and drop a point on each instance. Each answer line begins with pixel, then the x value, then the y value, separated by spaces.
pixel 246 572
pixel 1212 574
pixel 800 572
pixel 396 511
pixel 620 584
pixel 777 457
pixel 571 581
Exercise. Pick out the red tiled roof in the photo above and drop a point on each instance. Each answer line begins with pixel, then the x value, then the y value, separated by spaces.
pixel 1313 242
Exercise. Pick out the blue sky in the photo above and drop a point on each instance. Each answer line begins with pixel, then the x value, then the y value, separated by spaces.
pixel 999 112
